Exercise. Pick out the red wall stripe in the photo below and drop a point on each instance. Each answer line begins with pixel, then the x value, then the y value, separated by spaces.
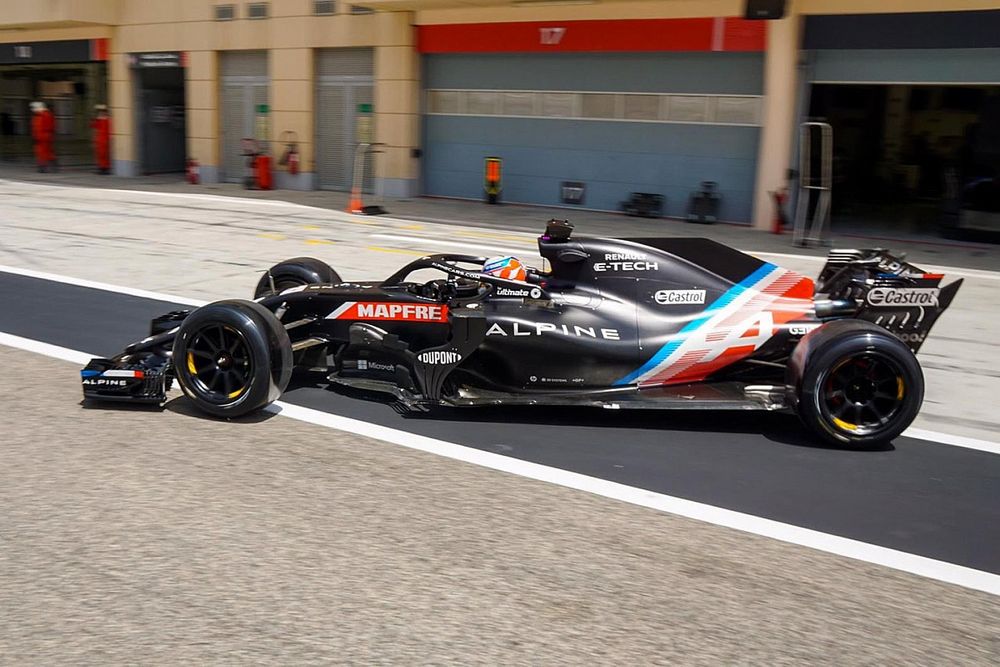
pixel 99 48
pixel 593 36
pixel 742 35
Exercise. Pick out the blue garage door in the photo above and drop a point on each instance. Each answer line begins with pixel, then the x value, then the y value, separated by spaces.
pixel 618 123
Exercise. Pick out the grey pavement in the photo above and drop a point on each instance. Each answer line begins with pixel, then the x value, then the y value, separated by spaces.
pixel 134 536
pixel 928 248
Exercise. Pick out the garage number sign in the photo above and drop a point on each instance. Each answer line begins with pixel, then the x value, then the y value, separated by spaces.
pixel 59 51
pixel 551 35
pixel 156 59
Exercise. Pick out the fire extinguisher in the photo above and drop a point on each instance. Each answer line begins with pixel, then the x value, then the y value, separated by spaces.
pixel 780 219
pixel 262 171
pixel 192 171
pixel 290 158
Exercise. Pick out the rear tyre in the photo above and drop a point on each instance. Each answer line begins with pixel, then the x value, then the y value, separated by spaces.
pixel 232 358
pixel 860 388
pixel 295 273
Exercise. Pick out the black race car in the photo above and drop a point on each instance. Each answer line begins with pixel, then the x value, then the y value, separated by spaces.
pixel 675 323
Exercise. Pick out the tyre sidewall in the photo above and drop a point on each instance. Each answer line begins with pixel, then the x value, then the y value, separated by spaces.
pixel 822 361
pixel 269 349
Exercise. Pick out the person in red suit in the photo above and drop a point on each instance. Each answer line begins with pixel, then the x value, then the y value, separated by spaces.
pixel 43 130
pixel 102 139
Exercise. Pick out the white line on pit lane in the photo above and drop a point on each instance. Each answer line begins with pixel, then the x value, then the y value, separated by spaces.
pixel 841 546
pixel 93 284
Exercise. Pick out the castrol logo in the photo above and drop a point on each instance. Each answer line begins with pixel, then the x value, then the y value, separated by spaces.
pixel 893 297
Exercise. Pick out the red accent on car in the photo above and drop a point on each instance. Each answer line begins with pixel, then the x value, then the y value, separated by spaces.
pixel 397 312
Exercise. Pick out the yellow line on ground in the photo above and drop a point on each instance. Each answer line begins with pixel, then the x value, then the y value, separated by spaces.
pixel 398 251
pixel 491 235
pixel 414 227
pixel 319 242
pixel 273 237
pixel 311 228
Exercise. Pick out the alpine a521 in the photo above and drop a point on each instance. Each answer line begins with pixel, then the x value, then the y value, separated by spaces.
pixel 661 323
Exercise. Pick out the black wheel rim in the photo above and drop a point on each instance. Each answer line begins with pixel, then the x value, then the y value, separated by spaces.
pixel 218 359
pixel 862 395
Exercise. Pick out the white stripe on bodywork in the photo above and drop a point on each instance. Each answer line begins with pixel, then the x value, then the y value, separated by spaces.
pixel 340 310
pixel 118 374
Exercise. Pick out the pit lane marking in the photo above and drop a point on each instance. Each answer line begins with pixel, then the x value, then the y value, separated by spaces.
pixel 397 251
pixel 467 245
pixel 93 284
pixel 747 523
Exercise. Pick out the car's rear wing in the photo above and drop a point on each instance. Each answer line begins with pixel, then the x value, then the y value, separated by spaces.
pixel 887 290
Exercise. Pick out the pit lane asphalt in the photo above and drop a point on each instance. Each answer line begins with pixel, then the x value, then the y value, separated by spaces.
pixel 919 497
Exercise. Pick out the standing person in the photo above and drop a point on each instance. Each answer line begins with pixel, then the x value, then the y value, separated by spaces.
pixel 102 139
pixel 43 132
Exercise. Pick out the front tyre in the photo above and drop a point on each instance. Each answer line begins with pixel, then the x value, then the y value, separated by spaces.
pixel 232 358
pixel 295 273
pixel 860 388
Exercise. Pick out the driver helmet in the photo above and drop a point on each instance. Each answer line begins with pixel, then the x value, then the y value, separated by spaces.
pixel 506 267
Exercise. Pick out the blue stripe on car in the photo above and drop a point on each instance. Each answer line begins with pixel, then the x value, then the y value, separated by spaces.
pixel 670 347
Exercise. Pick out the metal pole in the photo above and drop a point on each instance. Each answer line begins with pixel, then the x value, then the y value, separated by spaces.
pixel 805 177
pixel 812 229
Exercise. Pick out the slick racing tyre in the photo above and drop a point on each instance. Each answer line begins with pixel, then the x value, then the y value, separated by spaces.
pixel 857 385
pixel 232 357
pixel 295 273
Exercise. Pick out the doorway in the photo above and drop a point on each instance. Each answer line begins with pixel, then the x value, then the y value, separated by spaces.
pixel 905 156
pixel 162 123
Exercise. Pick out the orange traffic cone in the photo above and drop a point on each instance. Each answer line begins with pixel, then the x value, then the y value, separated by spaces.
pixel 356 205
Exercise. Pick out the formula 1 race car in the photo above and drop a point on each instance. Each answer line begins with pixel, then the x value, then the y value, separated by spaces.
pixel 667 323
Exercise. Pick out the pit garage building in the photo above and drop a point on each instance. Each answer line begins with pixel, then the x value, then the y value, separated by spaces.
pixel 598 98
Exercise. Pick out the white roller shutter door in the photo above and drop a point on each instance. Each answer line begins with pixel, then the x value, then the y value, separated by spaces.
pixel 244 86
pixel 344 79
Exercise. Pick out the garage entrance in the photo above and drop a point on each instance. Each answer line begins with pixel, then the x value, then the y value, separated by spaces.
pixel 914 101
pixel 906 156
pixel 344 96
pixel 69 90
pixel 161 125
